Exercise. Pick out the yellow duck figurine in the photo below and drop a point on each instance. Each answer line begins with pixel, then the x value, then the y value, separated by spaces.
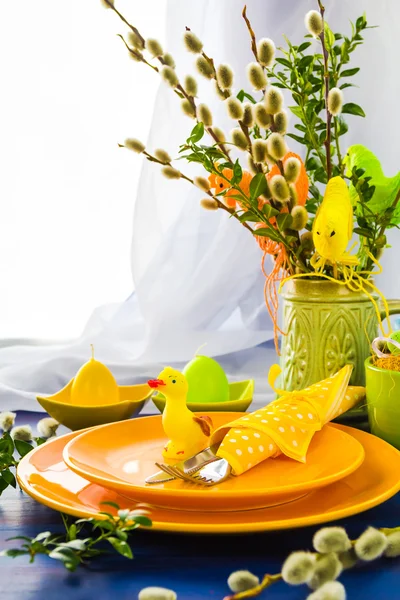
pixel 188 434
pixel 333 227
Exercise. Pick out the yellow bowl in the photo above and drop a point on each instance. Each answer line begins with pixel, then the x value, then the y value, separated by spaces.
pixel 240 398
pixel 132 400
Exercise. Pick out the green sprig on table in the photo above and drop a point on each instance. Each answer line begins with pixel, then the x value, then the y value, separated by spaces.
pixel 83 539
pixel 10 447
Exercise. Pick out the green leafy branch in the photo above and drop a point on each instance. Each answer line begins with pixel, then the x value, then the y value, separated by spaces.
pixel 9 449
pixel 83 539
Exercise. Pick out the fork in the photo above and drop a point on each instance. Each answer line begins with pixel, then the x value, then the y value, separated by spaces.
pixel 190 465
pixel 210 474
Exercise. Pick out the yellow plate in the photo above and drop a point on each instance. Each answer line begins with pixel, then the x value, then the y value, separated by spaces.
pixel 43 475
pixel 120 456
pixel 132 400
pixel 240 398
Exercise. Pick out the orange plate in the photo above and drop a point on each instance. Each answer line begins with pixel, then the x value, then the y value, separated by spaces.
pixel 43 475
pixel 119 456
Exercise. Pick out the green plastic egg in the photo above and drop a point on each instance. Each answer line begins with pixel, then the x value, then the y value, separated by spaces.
pixel 391 347
pixel 207 381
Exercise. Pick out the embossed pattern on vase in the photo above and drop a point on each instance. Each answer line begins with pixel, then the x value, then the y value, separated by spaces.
pixel 323 335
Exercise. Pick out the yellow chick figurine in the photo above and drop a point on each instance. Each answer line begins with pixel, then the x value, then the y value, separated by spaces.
pixel 188 434
pixel 333 226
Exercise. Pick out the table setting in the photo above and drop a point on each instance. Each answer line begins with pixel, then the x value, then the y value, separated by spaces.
pixel 191 480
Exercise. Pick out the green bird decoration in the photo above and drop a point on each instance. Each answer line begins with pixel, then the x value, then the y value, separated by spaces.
pixel 386 188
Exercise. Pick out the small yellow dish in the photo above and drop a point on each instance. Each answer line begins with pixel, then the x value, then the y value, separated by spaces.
pixel 132 399
pixel 240 398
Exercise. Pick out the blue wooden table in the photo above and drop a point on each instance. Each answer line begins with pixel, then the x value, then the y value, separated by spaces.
pixel 194 566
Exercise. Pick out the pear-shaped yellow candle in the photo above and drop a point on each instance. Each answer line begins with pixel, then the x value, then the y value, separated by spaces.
pixel 94 385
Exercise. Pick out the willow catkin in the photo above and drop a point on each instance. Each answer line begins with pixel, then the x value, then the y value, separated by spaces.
pixel 202 183
pixel 187 108
pixel 281 122
pixel 371 544
pixel 225 77
pixel 162 155
pixel 262 118
pixel 192 42
pixel 266 52
pixel 204 67
pixel 335 101
pixel 171 173
pixel 251 164
pixel 169 60
pixel 204 115
pixel 222 94
pixel 298 568
pixel 330 539
pixel 209 204
pixel 279 188
pixel 190 85
pixel 314 23
pixel 169 76
pixel 234 108
pixel 239 139
pixel 259 151
pixel 154 47
pixel 273 100
pixel 135 40
pixel 240 581
pixel 256 76
pixel 276 146
pixel 219 134
pixel 291 169
pixel 134 145
pixel 248 118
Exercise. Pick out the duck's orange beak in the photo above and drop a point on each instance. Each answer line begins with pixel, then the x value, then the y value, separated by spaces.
pixel 155 383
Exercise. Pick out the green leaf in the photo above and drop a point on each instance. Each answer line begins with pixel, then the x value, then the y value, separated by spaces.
pixel 306 61
pixel 79 545
pixel 6 443
pixel 296 110
pixel 121 535
pixel 13 552
pixel 237 173
pixel 353 109
pixel 297 138
pixel 196 133
pixel 72 531
pixel 22 447
pixel 143 521
pixel 267 232
pixel 242 95
pixel 9 478
pixel 258 186
pixel 284 221
pixel 313 163
pixel 284 62
pixel 113 504
pixel 42 536
pixel 329 37
pixel 320 175
pixel 303 46
pixel 121 546
pixel 269 211
pixel 248 216
pixel 349 72
pixel 363 232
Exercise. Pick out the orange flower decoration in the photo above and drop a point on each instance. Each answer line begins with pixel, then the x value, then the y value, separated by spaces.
pixel 219 184
pixel 301 184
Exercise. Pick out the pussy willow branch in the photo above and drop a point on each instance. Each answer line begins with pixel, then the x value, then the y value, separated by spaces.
pixel 254 50
pixel 326 79
pixel 179 90
pixel 221 205
pixel 256 591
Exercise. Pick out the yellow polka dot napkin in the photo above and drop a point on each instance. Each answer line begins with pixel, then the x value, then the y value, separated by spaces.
pixel 286 425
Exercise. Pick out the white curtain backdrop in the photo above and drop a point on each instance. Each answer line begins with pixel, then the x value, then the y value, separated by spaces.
pixel 196 274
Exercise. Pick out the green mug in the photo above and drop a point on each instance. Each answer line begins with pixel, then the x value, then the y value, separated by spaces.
pixel 383 402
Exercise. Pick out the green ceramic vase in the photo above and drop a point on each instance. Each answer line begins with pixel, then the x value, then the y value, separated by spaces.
pixel 327 327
